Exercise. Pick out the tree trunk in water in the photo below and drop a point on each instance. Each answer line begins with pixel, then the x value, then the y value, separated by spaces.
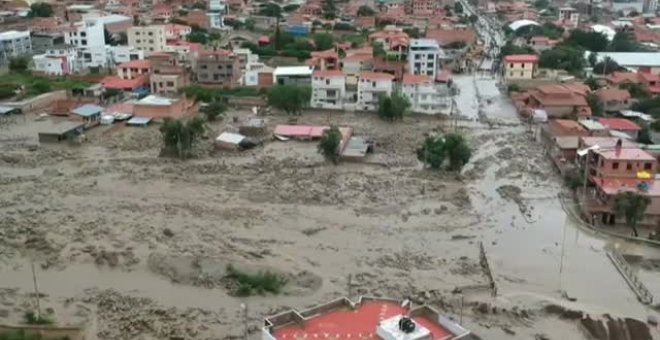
pixel 634 228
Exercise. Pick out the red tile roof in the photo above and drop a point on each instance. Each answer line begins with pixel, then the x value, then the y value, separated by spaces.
pixel 412 79
pixel 557 95
pixel 617 78
pixel 631 154
pixel 606 142
pixel 328 74
pixel 521 58
pixel 144 63
pixel 376 76
pixel 358 58
pixel 607 94
pixel 619 124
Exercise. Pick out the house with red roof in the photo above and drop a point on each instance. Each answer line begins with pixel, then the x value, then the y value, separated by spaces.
pixel 324 60
pixel 614 99
pixel 328 89
pixel 423 95
pixel 130 76
pixel 558 101
pixel 368 318
pixel 520 66
pixel 621 125
pixel 394 41
pixel 176 31
pixel 371 86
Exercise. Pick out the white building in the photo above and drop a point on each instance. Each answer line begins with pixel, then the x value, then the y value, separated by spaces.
pixel 424 57
pixel 328 89
pixel 371 86
pixel 14 43
pixel 107 56
pixel 86 33
pixel 217 10
pixel 569 16
pixel 57 61
pixel 149 39
pixel 293 75
pixel 424 96
pixel 252 71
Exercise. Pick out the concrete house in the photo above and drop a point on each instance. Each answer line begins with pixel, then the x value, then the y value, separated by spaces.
pixel 219 67
pixel 293 75
pixel 328 89
pixel 371 86
pixel 423 95
pixel 614 99
pixel 149 39
pixel 520 66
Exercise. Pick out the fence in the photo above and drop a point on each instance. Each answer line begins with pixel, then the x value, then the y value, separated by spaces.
pixel 643 294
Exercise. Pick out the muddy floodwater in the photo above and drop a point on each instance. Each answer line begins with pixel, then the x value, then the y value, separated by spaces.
pixel 136 246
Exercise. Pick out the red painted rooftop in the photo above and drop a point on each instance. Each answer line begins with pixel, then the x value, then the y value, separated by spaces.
pixel 626 154
pixel 619 124
pixel 613 186
pixel 358 324
pixel 521 58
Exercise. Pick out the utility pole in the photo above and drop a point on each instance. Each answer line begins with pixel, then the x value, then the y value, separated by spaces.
pixel 349 285
pixel 36 290
pixel 244 308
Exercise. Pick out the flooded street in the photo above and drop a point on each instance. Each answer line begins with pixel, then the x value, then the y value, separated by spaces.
pixel 135 246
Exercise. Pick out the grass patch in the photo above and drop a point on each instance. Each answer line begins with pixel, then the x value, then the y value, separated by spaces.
pixel 21 335
pixel 32 319
pixel 36 85
pixel 259 283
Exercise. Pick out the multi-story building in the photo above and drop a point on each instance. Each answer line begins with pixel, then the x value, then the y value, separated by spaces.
pixel 423 7
pixel 42 42
pixel 57 61
pixel 219 67
pixel 149 39
pixel 395 42
pixel 257 74
pixel 167 75
pixel 424 57
pixel 107 56
pixel 520 66
pixel 176 31
pixel 293 75
pixel 133 69
pixel 328 89
pixel 186 52
pixel 245 57
pixel 423 95
pixel 14 43
pixel 650 6
pixel 217 10
pixel 569 17
pixel 371 86
pixel 84 34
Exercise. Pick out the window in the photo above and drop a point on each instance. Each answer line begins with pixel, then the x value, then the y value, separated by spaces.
pixel 429 64
pixel 83 42
pixel 522 74
pixel 615 165
pixel 430 56
pixel 648 166
pixel 160 84
pixel 170 84
pixel 151 41
pixel 220 67
pixel 417 56
pixel 629 166
pixel 373 84
pixel 137 41
pixel 327 81
pixel 429 73
pixel 83 34
pixel 203 67
pixel 511 65
pixel 510 74
pixel 522 65
pixel 150 33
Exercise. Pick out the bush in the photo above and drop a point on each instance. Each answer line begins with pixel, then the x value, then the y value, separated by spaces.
pixel 259 283
pixel 513 88
pixel 7 91
pixel 32 319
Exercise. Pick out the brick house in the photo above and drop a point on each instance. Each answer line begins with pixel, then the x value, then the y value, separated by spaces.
pixel 520 66
pixel 621 125
pixel 219 67
pixel 559 101
pixel 614 99
pixel 167 75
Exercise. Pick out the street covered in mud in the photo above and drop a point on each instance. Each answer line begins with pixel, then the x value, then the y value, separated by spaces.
pixel 136 246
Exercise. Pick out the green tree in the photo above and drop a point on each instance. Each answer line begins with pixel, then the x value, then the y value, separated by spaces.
pixel 566 58
pixel 458 151
pixel 7 91
pixel 197 37
pixel 648 105
pixel 271 10
pixel 329 144
pixel 509 49
pixel 623 41
pixel 590 41
pixel 607 66
pixel 365 11
pixel 289 98
pixel 19 63
pixel 592 83
pixel 413 32
pixel 595 104
pixel 541 4
pixel 40 9
pixel 329 9
pixel 323 41
pixel 638 91
pixel 392 107
pixel 180 136
pixel 632 206
pixel 290 8
pixel 644 136
pixel 432 152
pixel 250 24
pixel 214 110
pixel 458 8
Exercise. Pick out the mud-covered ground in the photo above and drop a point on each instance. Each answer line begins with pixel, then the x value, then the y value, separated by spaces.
pixel 135 246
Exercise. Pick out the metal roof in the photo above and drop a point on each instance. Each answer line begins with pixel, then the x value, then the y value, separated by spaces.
pixel 230 138
pixel 139 121
pixel 88 110
pixel 630 59
pixel 293 71
pixel 62 128
pixel 592 125
pixel 156 100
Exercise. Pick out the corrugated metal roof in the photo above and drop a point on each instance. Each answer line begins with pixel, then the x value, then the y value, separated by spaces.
pixel 592 125
pixel 230 138
pixel 88 110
